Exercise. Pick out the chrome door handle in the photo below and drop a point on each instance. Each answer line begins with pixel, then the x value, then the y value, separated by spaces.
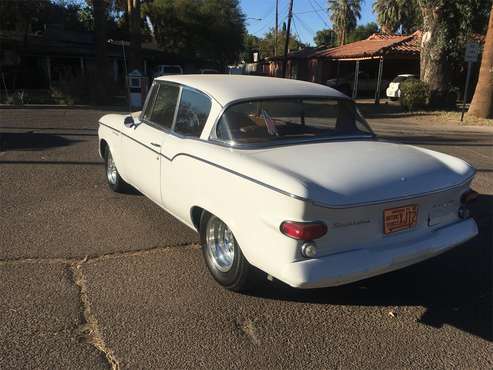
pixel 156 145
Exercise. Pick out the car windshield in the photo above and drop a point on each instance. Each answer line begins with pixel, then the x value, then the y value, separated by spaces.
pixel 277 121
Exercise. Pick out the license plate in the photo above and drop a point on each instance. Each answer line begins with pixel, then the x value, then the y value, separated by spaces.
pixel 400 218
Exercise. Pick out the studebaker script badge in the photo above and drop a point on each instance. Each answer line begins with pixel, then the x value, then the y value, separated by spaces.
pixel 336 225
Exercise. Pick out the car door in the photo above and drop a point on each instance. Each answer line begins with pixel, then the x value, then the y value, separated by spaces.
pixel 142 143
pixel 193 112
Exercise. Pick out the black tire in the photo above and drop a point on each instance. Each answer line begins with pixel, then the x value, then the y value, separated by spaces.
pixel 115 182
pixel 240 275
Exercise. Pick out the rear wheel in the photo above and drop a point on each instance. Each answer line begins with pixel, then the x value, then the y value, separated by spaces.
pixel 223 255
pixel 115 182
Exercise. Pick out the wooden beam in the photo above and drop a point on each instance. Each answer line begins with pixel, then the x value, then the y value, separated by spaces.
pixel 379 81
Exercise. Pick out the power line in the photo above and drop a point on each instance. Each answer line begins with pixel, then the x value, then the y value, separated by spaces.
pixel 296 30
pixel 304 25
pixel 318 14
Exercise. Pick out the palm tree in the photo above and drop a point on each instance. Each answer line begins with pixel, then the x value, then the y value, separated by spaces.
pixel 388 14
pixel 482 102
pixel 344 15
pixel 395 14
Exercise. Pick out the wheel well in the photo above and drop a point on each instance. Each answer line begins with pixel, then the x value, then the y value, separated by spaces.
pixel 103 145
pixel 195 215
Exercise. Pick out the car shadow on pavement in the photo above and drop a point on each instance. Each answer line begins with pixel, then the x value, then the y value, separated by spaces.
pixel 454 288
pixel 32 141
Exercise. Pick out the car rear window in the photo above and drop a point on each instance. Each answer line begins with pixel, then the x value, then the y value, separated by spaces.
pixel 275 121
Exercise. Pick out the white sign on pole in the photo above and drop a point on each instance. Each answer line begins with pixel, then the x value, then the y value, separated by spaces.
pixel 472 52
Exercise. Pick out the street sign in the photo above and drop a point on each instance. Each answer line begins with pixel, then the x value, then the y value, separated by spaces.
pixel 472 52
pixel 471 56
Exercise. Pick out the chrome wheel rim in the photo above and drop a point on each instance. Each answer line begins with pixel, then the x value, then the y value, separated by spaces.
pixel 220 244
pixel 111 169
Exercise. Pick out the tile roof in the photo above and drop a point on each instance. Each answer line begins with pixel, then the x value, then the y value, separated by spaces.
pixel 374 46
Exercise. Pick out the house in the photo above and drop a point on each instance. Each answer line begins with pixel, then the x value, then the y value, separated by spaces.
pixel 43 59
pixel 381 56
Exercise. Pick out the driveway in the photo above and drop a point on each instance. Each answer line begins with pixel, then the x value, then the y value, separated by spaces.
pixel 93 279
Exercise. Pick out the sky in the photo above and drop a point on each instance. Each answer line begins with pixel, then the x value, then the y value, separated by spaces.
pixel 309 16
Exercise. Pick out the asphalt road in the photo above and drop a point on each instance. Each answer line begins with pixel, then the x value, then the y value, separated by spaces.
pixel 92 279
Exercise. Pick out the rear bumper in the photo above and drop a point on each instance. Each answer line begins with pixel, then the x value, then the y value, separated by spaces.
pixel 347 267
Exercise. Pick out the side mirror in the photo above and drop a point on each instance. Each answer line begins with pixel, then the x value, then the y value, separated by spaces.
pixel 129 122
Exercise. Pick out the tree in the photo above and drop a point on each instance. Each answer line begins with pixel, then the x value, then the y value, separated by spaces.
pixel 134 20
pixel 325 37
pixel 344 15
pixel 20 15
pixel 100 9
pixel 482 102
pixel 266 42
pixel 208 30
pixel 251 45
pixel 388 14
pixel 393 15
pixel 445 25
pixel 362 32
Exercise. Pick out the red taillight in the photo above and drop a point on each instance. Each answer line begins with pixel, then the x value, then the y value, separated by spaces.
pixel 304 230
pixel 468 197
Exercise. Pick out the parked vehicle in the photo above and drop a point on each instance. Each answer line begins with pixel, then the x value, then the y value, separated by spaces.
pixel 209 71
pixel 167 70
pixel 394 89
pixel 366 84
pixel 288 177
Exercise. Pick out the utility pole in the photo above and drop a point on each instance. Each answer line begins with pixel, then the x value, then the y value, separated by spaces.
pixel 286 43
pixel 276 28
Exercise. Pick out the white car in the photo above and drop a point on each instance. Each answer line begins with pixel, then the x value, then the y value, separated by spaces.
pixel 394 89
pixel 286 176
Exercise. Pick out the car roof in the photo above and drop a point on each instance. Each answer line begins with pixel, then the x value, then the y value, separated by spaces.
pixel 226 89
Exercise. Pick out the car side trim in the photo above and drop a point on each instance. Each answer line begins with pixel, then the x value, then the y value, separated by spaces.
pixel 294 196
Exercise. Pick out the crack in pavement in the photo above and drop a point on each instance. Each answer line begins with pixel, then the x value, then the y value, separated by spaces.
pixel 96 258
pixel 88 331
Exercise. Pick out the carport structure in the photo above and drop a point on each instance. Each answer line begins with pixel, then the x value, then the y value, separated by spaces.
pixel 399 52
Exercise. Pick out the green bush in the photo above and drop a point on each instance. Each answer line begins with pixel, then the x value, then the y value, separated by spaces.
pixel 414 94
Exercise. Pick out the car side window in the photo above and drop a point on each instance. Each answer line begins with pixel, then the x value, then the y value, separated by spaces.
pixel 192 113
pixel 164 107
